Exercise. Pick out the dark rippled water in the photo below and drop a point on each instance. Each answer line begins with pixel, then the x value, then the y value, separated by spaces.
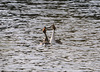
pixel 78 27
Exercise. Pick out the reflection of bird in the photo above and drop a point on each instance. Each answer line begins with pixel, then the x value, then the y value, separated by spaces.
pixel 45 40
pixel 52 39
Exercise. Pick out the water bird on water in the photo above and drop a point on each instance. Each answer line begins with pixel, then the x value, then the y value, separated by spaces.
pixel 45 40
pixel 52 39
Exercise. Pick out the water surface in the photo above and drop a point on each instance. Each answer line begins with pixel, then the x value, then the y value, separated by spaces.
pixel 78 27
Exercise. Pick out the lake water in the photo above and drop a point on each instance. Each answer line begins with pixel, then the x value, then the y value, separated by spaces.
pixel 78 28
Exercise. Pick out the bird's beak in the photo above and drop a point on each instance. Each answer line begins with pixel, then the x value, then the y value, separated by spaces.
pixel 48 28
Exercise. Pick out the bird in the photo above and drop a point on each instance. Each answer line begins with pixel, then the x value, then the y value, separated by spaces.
pixel 45 40
pixel 52 39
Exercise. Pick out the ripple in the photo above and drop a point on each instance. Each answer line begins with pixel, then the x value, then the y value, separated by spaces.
pixel 78 27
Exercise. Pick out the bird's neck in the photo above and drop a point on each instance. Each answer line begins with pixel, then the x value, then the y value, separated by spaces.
pixel 52 39
pixel 46 38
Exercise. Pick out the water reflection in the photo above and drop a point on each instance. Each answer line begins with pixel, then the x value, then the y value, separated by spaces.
pixel 78 27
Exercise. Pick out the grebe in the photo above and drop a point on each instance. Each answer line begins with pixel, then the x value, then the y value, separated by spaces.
pixel 52 39
pixel 45 40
